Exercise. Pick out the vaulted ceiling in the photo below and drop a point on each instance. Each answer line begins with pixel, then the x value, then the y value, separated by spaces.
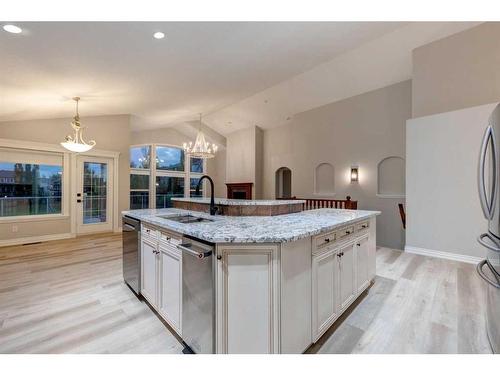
pixel 224 70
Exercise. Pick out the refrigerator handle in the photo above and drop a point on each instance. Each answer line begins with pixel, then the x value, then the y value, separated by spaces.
pixel 479 269
pixel 481 240
pixel 486 205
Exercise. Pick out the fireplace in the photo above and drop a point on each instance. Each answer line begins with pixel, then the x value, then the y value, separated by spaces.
pixel 242 190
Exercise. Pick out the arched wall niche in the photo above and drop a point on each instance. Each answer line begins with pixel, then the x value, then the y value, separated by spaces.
pixel 391 177
pixel 324 179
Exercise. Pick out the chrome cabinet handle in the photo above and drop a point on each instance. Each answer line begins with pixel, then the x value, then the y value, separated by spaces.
pixel 479 269
pixel 483 197
pixel 487 245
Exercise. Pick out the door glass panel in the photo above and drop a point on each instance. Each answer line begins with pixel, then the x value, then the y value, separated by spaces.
pixel 95 176
pixel 167 188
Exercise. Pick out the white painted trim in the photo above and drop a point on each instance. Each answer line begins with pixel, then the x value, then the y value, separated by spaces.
pixel 113 212
pixel 40 146
pixel 442 254
pixel 118 230
pixel 116 215
pixel 16 143
pixel 32 218
pixel 28 240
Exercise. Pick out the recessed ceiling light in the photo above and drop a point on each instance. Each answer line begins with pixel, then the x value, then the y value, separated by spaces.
pixel 12 29
pixel 158 35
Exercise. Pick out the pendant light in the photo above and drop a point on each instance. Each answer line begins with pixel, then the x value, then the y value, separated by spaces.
pixel 76 143
pixel 201 149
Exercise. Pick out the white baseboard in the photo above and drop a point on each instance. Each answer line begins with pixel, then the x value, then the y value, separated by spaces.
pixel 26 240
pixel 442 254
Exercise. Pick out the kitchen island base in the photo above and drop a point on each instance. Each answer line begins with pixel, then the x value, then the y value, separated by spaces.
pixel 279 296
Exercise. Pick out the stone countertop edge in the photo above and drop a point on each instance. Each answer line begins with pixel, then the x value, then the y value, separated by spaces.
pixel 253 229
pixel 242 202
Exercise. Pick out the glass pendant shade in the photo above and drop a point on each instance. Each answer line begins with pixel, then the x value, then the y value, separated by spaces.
pixel 76 143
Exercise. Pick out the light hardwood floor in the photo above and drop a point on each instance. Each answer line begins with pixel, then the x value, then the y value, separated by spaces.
pixel 416 305
pixel 69 297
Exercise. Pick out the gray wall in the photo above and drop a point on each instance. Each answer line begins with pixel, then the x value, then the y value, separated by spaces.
pixel 441 170
pixel 112 133
pixel 362 131
pixel 456 72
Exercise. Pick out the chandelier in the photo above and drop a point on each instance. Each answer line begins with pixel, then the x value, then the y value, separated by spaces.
pixel 76 143
pixel 201 149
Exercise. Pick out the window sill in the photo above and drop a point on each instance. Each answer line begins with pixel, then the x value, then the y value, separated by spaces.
pixel 32 218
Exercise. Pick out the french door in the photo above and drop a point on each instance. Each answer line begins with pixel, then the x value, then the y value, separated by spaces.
pixel 94 196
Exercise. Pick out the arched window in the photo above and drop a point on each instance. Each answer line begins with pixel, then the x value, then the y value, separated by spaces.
pixel 283 182
pixel 324 179
pixel 391 177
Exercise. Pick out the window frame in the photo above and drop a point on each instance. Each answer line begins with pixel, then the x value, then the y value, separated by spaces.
pixel 153 172
pixel 65 181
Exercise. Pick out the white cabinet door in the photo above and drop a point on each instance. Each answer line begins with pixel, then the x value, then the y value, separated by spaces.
pixel 347 283
pixel 149 271
pixel 324 291
pixel 362 263
pixel 170 303
pixel 247 299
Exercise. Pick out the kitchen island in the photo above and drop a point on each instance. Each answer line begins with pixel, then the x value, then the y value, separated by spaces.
pixel 279 281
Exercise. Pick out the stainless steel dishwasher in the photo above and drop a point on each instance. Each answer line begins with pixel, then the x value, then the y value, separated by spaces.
pixel 198 295
pixel 131 260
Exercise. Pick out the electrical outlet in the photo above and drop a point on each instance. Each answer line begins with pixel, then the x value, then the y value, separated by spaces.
pixel 14 228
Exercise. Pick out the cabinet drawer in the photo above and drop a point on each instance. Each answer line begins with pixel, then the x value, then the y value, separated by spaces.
pixel 362 226
pixel 148 232
pixel 344 232
pixel 322 240
pixel 170 237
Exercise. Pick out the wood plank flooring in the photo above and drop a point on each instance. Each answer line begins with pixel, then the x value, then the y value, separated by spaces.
pixel 69 297
pixel 416 305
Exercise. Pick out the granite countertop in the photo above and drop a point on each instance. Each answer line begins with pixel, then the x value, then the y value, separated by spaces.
pixel 245 229
pixel 241 202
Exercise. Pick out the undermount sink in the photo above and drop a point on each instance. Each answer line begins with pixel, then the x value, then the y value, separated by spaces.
pixel 186 219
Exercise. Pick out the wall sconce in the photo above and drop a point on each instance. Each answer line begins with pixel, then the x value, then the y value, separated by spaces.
pixel 354 174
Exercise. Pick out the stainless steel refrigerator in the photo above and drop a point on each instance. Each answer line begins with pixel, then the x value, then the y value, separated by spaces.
pixel 489 196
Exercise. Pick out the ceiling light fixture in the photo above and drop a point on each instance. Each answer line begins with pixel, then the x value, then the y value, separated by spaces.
pixel 201 148
pixel 76 143
pixel 13 29
pixel 158 35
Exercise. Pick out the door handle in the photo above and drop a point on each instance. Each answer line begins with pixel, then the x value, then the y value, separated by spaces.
pixel 486 205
